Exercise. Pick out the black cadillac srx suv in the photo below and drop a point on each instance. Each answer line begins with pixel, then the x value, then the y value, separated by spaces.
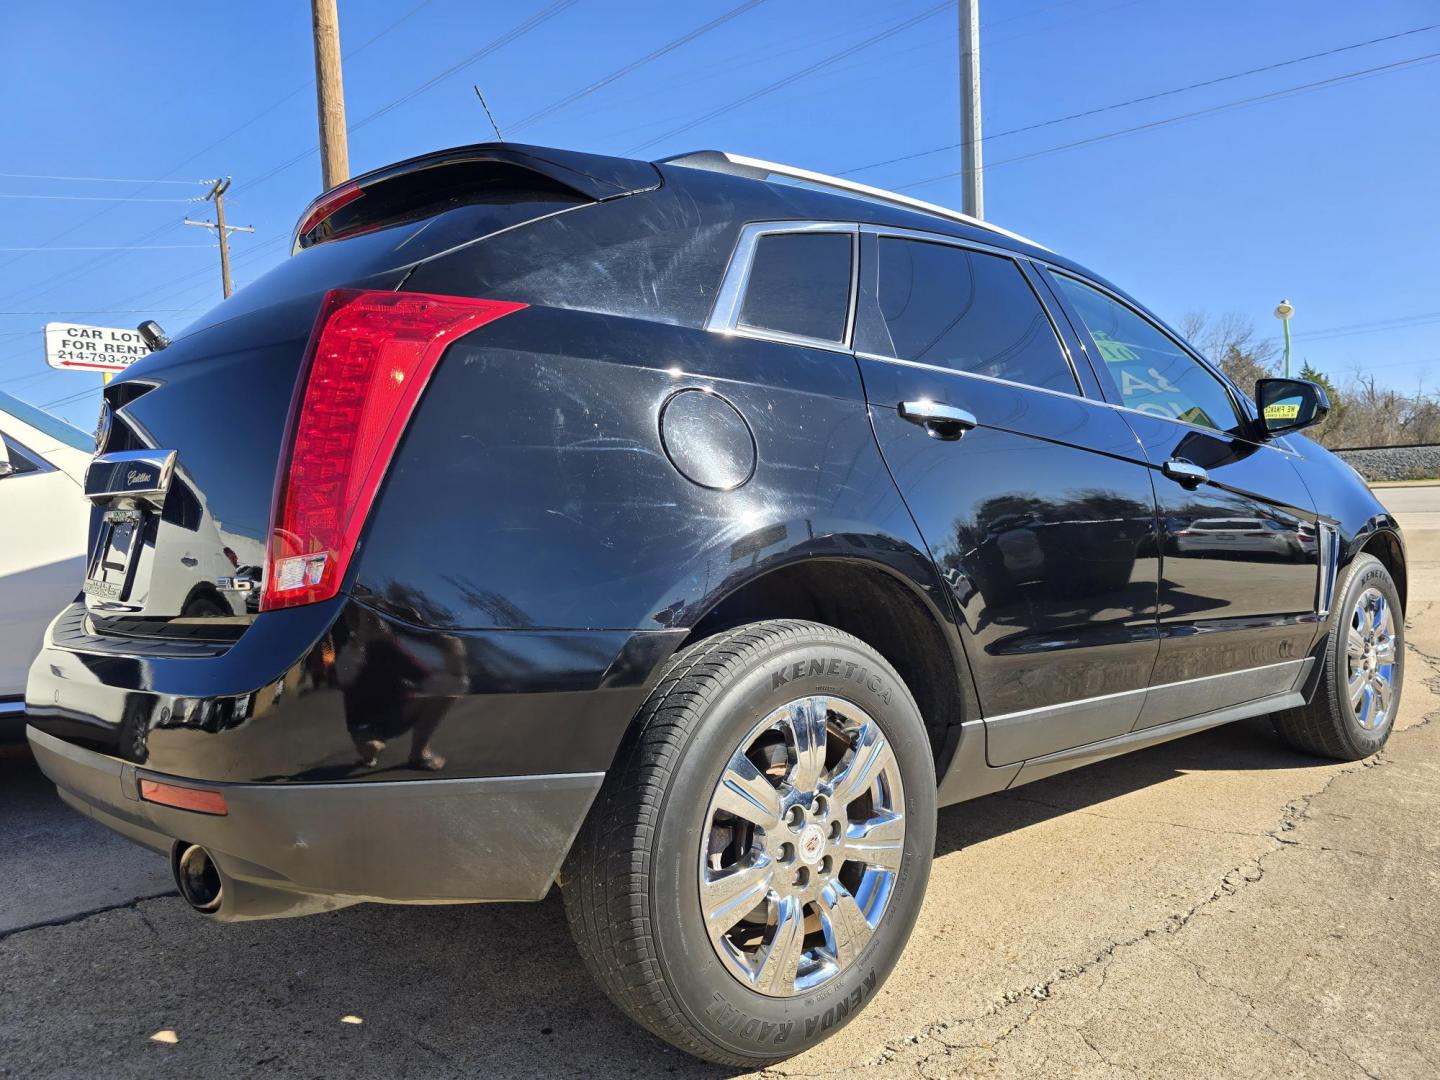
pixel 683 533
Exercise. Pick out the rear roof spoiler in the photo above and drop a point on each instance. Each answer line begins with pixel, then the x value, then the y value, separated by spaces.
pixel 592 176
pixel 595 176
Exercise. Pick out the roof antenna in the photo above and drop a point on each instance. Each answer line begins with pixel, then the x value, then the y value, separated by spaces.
pixel 486 107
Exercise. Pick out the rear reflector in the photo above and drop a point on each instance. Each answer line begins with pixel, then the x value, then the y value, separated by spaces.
pixel 201 800
pixel 368 361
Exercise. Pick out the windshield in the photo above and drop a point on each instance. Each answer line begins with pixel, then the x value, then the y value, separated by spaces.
pixel 42 421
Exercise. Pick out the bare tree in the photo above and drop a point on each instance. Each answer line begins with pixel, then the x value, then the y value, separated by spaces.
pixel 1231 343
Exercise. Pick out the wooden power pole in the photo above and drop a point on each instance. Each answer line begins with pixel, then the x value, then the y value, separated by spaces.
pixel 223 231
pixel 330 94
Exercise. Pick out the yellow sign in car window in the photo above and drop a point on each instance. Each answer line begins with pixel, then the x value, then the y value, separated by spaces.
pixel 1283 410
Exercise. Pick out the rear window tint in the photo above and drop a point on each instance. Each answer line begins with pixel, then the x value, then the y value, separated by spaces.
pixel 800 284
pixel 428 193
pixel 370 253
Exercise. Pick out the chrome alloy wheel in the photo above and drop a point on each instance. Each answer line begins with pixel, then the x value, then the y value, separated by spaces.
pixel 1370 659
pixel 803 840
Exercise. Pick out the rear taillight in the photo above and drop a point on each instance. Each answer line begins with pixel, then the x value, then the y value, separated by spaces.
pixel 369 358
pixel 323 207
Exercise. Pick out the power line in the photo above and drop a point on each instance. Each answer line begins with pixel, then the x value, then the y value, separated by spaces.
pixel 119 247
pixel 47 285
pixel 1403 363
pixel 299 89
pixel 1273 95
pixel 525 27
pixel 1364 329
pixel 635 65
pixel 99 311
pixel 98 198
pixel 1148 97
pixel 96 179
pixel 164 289
pixel 794 77
pixel 26 378
pixel 786 46
pixel 727 66
pixel 88 392
pixel 210 146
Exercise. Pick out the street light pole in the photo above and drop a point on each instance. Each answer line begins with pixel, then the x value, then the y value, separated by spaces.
pixel 1283 311
pixel 972 199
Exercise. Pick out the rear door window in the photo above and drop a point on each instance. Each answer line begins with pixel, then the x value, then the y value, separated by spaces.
pixel 1152 372
pixel 800 285
pixel 969 311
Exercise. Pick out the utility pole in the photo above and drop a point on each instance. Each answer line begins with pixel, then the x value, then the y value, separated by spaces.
pixel 330 94
pixel 223 231
pixel 973 181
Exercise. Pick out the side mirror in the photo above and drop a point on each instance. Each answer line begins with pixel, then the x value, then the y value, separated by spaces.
pixel 6 469
pixel 1289 405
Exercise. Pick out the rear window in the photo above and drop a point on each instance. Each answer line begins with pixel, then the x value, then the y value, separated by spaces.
pixel 800 284
pixel 428 193
pixel 970 311
pixel 395 239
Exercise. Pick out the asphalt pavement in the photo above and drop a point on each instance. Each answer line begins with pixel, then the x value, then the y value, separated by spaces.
pixel 1219 905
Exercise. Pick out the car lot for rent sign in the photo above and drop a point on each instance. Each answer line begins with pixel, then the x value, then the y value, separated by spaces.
pixel 72 346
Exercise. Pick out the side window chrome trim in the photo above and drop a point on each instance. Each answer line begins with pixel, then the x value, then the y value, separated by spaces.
pixel 1066 394
pixel 725 314
pixel 1097 402
pixel 1215 432
pixel 900 232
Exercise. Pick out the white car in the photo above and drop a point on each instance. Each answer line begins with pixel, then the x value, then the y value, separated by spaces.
pixel 44 525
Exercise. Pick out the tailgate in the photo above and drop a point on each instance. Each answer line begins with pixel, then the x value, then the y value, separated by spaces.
pixel 183 486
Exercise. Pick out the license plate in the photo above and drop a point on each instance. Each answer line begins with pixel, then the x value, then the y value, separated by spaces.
pixel 121 534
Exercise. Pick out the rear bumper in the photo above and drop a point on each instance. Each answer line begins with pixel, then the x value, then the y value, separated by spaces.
pixel 292 849
pixel 307 695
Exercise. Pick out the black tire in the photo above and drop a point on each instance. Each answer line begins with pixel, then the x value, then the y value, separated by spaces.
pixel 1329 725
pixel 630 883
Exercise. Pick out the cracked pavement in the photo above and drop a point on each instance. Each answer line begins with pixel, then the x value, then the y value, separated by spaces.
pixel 1217 905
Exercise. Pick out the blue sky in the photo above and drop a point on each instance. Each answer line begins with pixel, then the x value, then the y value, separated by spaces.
pixel 1326 196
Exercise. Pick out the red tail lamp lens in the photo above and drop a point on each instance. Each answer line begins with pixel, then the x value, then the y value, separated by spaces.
pixel 369 358
pixel 200 800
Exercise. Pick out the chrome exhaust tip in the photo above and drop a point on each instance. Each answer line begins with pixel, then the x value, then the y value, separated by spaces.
pixel 197 877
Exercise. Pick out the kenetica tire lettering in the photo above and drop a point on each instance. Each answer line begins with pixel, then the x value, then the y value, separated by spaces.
pixel 782 769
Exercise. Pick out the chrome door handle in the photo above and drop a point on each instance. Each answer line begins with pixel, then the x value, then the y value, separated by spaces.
pixel 1185 472
pixel 940 420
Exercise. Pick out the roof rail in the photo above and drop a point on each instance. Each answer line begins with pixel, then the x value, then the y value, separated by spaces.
pixel 757 169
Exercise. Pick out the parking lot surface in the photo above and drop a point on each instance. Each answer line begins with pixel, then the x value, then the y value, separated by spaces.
pixel 1217 905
